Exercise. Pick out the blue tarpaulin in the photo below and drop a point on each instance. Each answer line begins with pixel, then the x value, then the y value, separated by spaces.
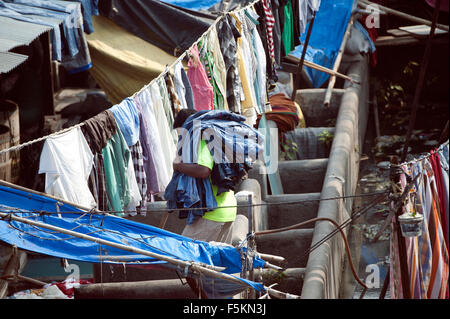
pixel 114 229
pixel 326 37
pixel 193 4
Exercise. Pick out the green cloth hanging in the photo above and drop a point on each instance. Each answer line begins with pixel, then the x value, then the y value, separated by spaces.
pixel 288 28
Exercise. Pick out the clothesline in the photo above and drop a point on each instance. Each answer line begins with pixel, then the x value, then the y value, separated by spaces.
pixel 202 208
pixel 420 157
pixel 180 58
pixel 183 55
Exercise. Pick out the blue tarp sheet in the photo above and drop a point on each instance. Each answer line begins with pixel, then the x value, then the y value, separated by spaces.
pixel 114 229
pixel 193 4
pixel 326 37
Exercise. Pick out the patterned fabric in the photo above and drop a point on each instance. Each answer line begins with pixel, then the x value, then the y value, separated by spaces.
pixel 207 60
pixel 141 178
pixel 270 22
pixel 427 255
pixel 102 194
pixel 173 96
pixel 228 35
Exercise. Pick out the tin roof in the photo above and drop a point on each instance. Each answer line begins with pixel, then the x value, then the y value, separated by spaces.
pixel 14 33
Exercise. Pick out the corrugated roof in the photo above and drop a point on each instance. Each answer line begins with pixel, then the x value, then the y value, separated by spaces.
pixel 14 33
pixel 10 60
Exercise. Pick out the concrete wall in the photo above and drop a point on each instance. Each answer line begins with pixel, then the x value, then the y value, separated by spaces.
pixel 324 267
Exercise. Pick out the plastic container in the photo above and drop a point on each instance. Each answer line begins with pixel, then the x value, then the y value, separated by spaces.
pixel 411 226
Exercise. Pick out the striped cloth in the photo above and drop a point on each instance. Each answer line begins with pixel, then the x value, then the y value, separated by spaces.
pixel 427 255
pixel 141 178
pixel 270 23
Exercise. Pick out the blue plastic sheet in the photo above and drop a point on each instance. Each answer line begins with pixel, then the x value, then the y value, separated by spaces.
pixel 111 228
pixel 326 37
pixel 193 4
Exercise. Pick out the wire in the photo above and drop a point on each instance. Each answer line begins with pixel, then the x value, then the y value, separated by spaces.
pixel 205 208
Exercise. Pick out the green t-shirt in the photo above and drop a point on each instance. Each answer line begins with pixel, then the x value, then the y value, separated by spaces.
pixel 221 215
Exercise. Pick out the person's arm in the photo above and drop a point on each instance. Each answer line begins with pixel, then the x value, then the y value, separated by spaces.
pixel 193 170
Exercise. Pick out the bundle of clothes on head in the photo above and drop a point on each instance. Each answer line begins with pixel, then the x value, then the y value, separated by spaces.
pixel 234 146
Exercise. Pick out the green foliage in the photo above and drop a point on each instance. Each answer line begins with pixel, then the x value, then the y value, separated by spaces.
pixel 288 150
pixel 326 138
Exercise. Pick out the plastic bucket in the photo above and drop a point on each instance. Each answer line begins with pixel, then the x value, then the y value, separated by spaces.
pixel 411 226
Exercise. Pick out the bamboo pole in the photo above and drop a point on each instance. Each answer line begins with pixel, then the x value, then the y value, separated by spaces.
pixel 405 15
pixel 209 270
pixel 337 63
pixel 318 67
pixel 32 191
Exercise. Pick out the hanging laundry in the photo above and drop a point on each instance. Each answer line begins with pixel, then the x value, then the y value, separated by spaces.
pixel 201 87
pixel 277 29
pixel 173 96
pixel 127 118
pixel 164 93
pixel 265 27
pixel 141 178
pixel 183 86
pixel 66 160
pixel 207 59
pixel 116 156
pixel 90 8
pixel 246 66
pixel 228 35
pixel 151 144
pixel 97 131
pixel 219 71
pixel 159 126
pixel 260 81
pixel 288 29
pixel 427 255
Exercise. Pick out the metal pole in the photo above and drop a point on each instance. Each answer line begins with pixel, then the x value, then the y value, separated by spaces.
pixel 423 69
pixel 250 246
pixel 300 66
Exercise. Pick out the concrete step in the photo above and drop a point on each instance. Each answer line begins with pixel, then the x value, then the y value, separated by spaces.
pixel 286 215
pixel 302 176
pixel 289 244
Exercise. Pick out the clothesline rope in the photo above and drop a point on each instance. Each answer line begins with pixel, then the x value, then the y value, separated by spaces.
pixel 420 158
pixel 180 58
pixel 94 212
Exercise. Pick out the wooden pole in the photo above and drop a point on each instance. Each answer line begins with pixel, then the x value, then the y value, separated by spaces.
pixel 302 59
pixel 423 69
pixel 337 62
pixel 318 67
pixel 407 16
